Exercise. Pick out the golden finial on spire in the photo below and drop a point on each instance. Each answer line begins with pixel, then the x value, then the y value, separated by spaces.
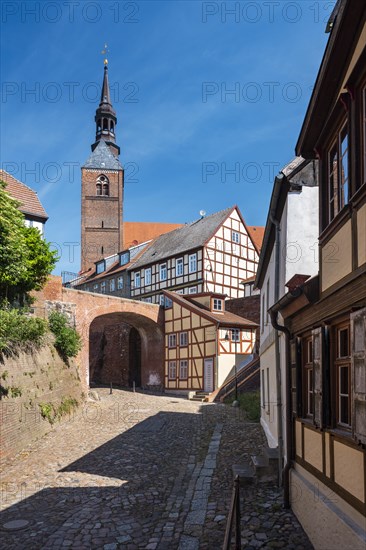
pixel 104 52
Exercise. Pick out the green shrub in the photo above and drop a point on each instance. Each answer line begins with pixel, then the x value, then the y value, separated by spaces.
pixel 48 412
pixel 51 413
pixel 18 331
pixel 249 402
pixel 67 339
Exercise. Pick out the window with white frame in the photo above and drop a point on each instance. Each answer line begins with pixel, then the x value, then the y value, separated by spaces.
pixel 183 369
pixel 148 276
pixel 161 300
pixel 137 279
pixel 192 290
pixel 235 335
pixel 163 272
pixel 172 341
pixel 172 371
pixel 217 304
pixel 112 285
pixel 102 287
pixel 179 267
pixel 235 237
pixel 119 283
pixel 192 262
pixel 148 300
pixel 183 339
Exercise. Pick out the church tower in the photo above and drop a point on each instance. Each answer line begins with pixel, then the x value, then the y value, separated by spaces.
pixel 102 187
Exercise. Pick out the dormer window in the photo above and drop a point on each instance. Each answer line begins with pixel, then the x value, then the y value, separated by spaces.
pixel 217 304
pixel 124 258
pixel 100 267
pixel 103 186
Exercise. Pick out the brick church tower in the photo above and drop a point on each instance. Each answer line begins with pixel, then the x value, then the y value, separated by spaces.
pixel 102 188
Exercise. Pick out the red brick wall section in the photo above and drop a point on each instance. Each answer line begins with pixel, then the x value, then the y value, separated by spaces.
pixel 248 307
pixel 40 377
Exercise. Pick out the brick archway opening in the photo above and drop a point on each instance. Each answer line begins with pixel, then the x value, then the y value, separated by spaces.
pixel 126 349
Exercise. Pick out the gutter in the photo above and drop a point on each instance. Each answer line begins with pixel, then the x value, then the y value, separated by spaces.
pixel 289 436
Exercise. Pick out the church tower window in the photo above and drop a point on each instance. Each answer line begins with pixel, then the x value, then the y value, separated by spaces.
pixel 103 186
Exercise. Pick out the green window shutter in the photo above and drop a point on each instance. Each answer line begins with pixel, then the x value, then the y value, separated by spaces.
pixel 358 374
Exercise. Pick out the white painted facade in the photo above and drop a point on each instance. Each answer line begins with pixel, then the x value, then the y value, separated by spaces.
pixel 298 255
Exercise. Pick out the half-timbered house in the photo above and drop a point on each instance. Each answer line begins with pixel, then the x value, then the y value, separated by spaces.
pixel 204 344
pixel 324 317
pixel 213 254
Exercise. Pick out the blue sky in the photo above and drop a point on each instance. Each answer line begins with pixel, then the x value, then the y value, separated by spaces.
pixel 187 143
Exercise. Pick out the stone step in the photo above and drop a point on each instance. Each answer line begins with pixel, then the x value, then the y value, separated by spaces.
pixel 265 469
pixel 245 472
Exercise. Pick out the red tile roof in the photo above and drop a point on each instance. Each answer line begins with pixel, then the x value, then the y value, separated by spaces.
pixel 256 233
pixel 30 203
pixel 225 318
pixel 139 232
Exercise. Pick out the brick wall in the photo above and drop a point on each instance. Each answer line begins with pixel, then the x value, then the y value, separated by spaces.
pixel 101 217
pixel 41 377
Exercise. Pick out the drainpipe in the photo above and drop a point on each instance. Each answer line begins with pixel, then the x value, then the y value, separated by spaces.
pixel 276 223
pixel 285 474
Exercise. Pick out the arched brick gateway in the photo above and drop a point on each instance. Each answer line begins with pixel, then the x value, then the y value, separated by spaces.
pixel 97 312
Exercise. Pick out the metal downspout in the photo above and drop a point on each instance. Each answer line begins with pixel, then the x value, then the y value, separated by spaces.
pixel 289 441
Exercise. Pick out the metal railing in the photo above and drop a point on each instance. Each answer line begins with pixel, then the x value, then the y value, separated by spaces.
pixel 243 376
pixel 234 517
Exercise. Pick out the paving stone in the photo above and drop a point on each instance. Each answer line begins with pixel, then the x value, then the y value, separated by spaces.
pixel 158 482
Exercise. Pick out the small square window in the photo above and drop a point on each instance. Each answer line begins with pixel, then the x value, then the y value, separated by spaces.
pixel 192 290
pixel 217 304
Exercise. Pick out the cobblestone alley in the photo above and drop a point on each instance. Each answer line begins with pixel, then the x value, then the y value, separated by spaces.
pixel 140 471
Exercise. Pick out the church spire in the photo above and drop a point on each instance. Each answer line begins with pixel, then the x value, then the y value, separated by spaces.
pixel 105 117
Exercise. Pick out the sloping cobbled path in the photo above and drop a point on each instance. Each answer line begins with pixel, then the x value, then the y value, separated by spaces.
pixel 136 471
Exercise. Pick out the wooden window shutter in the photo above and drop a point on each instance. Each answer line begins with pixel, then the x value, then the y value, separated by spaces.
pixel 358 374
pixel 296 376
pixel 318 376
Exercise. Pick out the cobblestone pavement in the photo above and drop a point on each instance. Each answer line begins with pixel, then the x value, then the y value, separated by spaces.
pixel 139 471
